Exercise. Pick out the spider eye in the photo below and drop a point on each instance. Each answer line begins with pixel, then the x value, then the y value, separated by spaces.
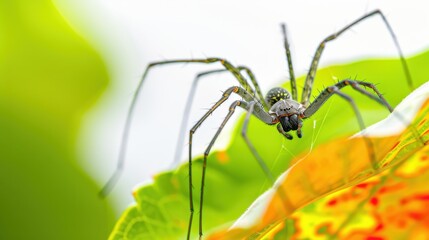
pixel 275 95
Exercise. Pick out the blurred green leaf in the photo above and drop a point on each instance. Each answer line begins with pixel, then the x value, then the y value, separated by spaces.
pixel 234 179
pixel 49 78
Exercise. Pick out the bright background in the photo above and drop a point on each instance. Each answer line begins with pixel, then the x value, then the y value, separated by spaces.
pixel 69 70
pixel 245 33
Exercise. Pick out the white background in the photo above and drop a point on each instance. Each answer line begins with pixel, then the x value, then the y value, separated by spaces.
pixel 129 34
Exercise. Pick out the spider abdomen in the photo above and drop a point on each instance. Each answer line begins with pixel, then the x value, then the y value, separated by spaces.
pixel 276 94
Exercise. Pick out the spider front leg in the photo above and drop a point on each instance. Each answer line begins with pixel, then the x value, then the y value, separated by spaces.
pixel 190 98
pixel 247 97
pixel 306 93
pixel 254 108
pixel 206 153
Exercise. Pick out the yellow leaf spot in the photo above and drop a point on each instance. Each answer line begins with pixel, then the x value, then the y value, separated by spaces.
pixel 222 157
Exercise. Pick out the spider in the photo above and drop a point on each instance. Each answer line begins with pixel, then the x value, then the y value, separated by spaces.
pixel 279 107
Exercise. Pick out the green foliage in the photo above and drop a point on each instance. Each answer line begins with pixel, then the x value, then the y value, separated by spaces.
pixel 234 179
pixel 49 77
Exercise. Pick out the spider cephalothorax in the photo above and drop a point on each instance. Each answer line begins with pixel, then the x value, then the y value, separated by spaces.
pixel 286 110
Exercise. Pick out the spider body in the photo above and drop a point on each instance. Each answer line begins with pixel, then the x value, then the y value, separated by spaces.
pixel 278 107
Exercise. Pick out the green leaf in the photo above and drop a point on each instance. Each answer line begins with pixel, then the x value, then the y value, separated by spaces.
pixel 50 76
pixel 234 179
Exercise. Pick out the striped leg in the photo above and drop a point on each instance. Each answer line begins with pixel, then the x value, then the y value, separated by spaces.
pixel 306 93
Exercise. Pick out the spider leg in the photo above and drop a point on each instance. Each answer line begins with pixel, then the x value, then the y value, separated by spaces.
pixel 250 109
pixel 253 108
pixel 186 113
pixel 306 93
pixel 368 142
pixel 325 94
pixel 260 97
pixel 206 153
pixel 190 98
pixel 289 62
pixel 355 84
pixel 121 157
pixel 335 89
pixel 259 112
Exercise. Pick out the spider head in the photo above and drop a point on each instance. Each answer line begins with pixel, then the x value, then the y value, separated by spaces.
pixel 289 114
pixel 275 95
